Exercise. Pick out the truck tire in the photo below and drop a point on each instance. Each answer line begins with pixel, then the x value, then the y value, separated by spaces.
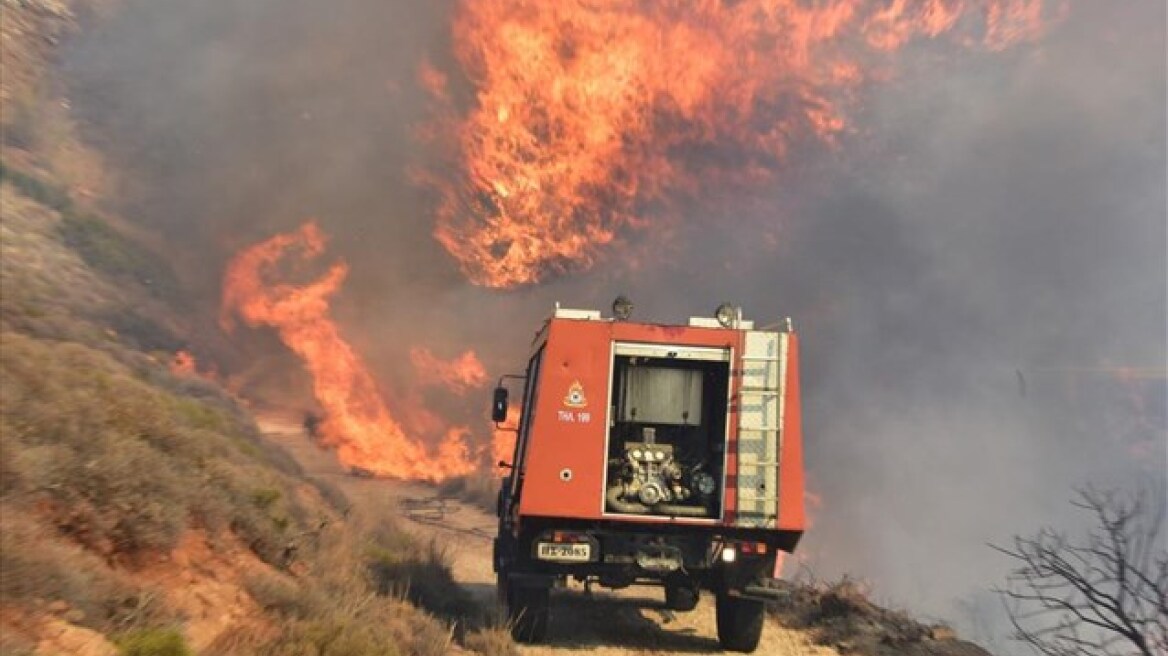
pixel 680 597
pixel 527 610
pixel 739 623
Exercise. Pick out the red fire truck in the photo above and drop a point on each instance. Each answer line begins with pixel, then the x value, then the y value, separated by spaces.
pixel 650 454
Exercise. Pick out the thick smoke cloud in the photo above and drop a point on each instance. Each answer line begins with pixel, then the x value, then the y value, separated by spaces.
pixel 967 269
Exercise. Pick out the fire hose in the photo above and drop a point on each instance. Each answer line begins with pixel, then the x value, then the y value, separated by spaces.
pixel 613 496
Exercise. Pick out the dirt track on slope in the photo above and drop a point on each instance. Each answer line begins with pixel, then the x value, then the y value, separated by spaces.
pixel 606 623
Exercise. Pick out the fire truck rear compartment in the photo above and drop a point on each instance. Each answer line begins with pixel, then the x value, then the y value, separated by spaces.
pixel 667 431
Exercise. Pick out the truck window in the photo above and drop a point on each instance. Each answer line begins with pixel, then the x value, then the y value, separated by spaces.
pixel 658 395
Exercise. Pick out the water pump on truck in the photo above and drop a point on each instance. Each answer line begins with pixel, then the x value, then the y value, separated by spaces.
pixel 651 454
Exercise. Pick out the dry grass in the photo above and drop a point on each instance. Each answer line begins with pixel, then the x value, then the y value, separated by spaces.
pixel 841 615
pixel 480 489
pixel 337 607
pixel 35 120
pixel 154 642
pixel 101 466
pixel 122 466
pixel 492 641
pixel 423 577
pixel 38 568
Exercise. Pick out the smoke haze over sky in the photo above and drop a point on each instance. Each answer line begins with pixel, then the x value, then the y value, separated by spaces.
pixel 969 268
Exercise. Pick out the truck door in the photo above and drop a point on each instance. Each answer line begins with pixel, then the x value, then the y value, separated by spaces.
pixel 526 419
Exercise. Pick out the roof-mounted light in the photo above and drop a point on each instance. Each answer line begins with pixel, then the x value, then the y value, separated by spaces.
pixel 726 314
pixel 622 308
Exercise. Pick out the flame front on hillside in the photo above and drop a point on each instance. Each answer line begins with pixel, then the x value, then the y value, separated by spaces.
pixel 459 375
pixel 357 421
pixel 591 119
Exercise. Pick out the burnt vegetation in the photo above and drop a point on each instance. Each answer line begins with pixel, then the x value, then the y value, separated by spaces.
pixel 842 615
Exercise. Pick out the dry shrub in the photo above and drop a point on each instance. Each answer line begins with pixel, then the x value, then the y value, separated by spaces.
pixel 423 577
pixel 45 288
pixel 335 608
pixel 12 644
pixel 491 641
pixel 841 614
pixel 39 568
pixel 287 597
pixel 122 466
pixel 382 628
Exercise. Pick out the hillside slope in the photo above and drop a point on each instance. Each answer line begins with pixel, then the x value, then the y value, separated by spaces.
pixel 142 510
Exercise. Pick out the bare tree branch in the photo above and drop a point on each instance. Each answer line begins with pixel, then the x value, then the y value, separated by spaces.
pixel 1104 596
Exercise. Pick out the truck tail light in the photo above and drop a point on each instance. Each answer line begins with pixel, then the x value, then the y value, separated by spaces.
pixel 753 548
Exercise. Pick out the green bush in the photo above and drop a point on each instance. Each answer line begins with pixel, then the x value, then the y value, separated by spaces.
pixel 154 642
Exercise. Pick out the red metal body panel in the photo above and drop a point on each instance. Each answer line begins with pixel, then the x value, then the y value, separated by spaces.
pixel 791 511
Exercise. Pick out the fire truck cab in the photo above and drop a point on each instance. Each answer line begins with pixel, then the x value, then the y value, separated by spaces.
pixel 648 454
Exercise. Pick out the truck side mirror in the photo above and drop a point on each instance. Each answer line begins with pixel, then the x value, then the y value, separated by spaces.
pixel 499 406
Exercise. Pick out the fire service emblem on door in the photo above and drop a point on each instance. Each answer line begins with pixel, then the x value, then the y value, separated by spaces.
pixel 575 397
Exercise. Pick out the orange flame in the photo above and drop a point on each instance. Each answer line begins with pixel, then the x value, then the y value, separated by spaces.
pixel 356 420
pixel 589 118
pixel 458 375
pixel 183 364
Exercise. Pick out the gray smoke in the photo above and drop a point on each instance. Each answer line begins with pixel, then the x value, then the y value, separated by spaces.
pixel 967 271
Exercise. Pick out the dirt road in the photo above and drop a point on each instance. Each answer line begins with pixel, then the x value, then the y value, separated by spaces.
pixel 606 623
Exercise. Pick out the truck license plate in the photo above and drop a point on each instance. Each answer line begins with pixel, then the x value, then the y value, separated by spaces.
pixel 564 552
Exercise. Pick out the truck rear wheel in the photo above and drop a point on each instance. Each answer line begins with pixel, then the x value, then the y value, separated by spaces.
pixel 739 623
pixel 526 608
